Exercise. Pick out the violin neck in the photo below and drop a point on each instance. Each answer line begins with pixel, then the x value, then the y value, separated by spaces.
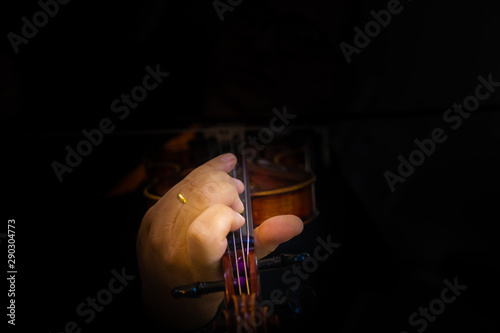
pixel 228 139
pixel 245 196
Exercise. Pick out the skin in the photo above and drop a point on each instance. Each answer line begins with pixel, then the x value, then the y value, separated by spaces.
pixel 180 243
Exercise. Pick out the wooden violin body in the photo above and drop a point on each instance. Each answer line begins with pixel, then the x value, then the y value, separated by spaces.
pixel 279 190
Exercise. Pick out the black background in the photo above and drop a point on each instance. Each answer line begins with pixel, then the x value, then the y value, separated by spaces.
pixel 396 248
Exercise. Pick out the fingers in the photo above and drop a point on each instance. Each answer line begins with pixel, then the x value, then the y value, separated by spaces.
pixel 206 236
pixel 239 185
pixel 274 231
pixel 206 185
pixel 224 162
pixel 215 186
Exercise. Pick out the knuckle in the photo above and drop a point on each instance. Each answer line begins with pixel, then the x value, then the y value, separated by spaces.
pixel 213 186
pixel 197 234
pixel 220 209
pixel 205 189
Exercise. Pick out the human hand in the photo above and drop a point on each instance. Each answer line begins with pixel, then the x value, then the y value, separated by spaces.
pixel 180 243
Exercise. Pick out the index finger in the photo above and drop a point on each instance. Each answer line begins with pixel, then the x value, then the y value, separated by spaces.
pixel 225 162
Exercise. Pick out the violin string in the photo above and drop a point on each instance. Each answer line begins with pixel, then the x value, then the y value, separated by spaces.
pixel 248 210
pixel 236 264
pixel 244 255
pixel 235 253
pixel 247 217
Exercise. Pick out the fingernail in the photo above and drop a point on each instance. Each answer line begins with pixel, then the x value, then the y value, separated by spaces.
pixel 228 157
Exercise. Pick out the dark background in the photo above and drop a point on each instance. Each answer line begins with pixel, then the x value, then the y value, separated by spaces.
pixel 396 248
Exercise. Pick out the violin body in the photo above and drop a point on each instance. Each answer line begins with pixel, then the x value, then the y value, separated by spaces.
pixel 279 190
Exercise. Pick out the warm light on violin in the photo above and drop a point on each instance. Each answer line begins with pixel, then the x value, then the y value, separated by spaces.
pixel 270 190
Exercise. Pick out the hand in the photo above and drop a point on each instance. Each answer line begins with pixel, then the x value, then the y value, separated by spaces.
pixel 180 243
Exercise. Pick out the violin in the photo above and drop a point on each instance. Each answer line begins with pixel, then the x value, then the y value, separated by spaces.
pixel 276 187
pixel 266 186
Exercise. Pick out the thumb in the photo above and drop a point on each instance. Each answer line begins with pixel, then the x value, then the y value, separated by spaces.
pixel 274 231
